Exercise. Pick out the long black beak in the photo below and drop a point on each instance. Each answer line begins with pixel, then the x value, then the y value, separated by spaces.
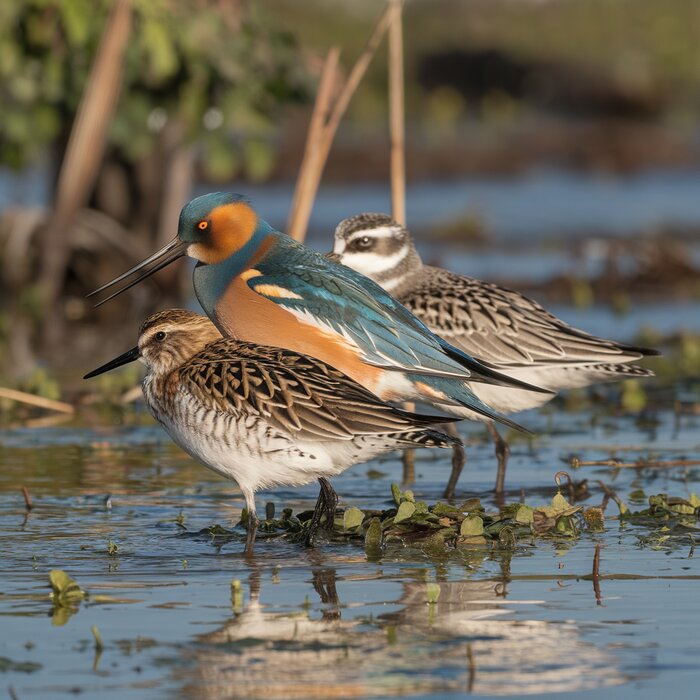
pixel 167 254
pixel 124 359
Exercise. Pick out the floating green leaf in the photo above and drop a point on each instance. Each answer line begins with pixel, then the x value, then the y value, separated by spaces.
pixel 9 666
pixel 472 526
pixel 65 590
pixel 470 505
pixel 432 592
pixel 445 509
pixel 524 514
pixel 236 595
pixel 373 536
pixel 405 511
pixel 66 594
pixel 352 518
pixel 559 502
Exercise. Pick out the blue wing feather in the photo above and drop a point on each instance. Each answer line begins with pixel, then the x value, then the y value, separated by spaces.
pixel 387 333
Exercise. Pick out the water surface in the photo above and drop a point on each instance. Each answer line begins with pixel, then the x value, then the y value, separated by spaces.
pixel 333 621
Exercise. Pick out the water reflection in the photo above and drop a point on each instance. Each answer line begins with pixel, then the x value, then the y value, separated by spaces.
pixel 475 639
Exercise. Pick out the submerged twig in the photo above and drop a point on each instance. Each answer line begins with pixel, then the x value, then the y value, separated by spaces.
pixel 611 495
pixel 27 498
pixel 639 464
pixel 596 575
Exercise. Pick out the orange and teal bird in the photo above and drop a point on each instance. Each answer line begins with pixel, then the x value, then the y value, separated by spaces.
pixel 259 285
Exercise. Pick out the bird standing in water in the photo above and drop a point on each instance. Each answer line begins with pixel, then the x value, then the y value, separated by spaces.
pixel 500 327
pixel 259 285
pixel 264 416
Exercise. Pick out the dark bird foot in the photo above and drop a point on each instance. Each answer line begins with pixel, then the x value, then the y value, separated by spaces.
pixel 459 458
pixel 250 537
pixel 323 511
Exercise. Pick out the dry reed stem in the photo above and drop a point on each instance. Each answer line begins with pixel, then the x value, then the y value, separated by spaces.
pixel 34 400
pixel 356 74
pixel 84 152
pixel 305 192
pixel 27 498
pixel 323 143
pixel 396 114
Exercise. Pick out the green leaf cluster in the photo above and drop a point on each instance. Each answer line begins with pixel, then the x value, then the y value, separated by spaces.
pixel 185 65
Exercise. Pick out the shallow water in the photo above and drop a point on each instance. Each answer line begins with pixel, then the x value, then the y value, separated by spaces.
pixel 333 621
pixel 539 204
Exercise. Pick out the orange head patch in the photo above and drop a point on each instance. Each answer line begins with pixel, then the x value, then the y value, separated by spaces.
pixel 223 232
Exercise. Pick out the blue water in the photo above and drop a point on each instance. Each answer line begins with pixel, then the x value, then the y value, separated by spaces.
pixel 539 204
pixel 333 622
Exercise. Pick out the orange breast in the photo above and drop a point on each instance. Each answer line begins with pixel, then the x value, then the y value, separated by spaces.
pixel 244 314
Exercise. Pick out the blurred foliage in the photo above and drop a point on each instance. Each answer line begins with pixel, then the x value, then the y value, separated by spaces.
pixel 638 43
pixel 195 63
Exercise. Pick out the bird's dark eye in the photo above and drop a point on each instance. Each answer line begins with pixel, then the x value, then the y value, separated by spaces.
pixel 363 243
pixel 160 336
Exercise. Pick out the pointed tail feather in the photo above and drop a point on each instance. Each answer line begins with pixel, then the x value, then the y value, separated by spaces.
pixel 482 373
pixel 446 394
pixel 427 438
pixel 644 352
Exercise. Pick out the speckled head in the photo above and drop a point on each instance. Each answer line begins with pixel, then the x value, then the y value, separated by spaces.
pixel 216 225
pixel 167 340
pixel 376 246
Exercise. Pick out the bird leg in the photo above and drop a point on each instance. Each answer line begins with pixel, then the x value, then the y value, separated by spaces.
pixel 331 501
pixel 252 522
pixel 409 467
pixel 325 506
pixel 459 457
pixel 502 451
pixel 409 456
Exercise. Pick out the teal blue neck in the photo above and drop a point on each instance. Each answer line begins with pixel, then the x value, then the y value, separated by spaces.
pixel 211 281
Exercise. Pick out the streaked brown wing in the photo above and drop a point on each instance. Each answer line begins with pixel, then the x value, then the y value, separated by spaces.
pixel 502 327
pixel 295 393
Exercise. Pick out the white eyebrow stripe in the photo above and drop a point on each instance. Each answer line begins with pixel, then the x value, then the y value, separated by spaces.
pixel 379 232
pixel 372 263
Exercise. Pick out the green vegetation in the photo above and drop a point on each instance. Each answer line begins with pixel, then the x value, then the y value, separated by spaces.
pixel 440 527
pixel 214 76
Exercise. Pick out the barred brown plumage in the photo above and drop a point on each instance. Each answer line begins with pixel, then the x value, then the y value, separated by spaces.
pixel 295 393
pixel 500 327
pixel 264 416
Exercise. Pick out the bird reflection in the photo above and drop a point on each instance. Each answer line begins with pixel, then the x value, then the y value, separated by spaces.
pixel 473 638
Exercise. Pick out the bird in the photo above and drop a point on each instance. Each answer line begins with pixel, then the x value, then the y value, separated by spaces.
pixel 500 327
pixel 264 416
pixel 259 285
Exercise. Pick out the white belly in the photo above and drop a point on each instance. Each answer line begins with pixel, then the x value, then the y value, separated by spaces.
pixel 256 456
